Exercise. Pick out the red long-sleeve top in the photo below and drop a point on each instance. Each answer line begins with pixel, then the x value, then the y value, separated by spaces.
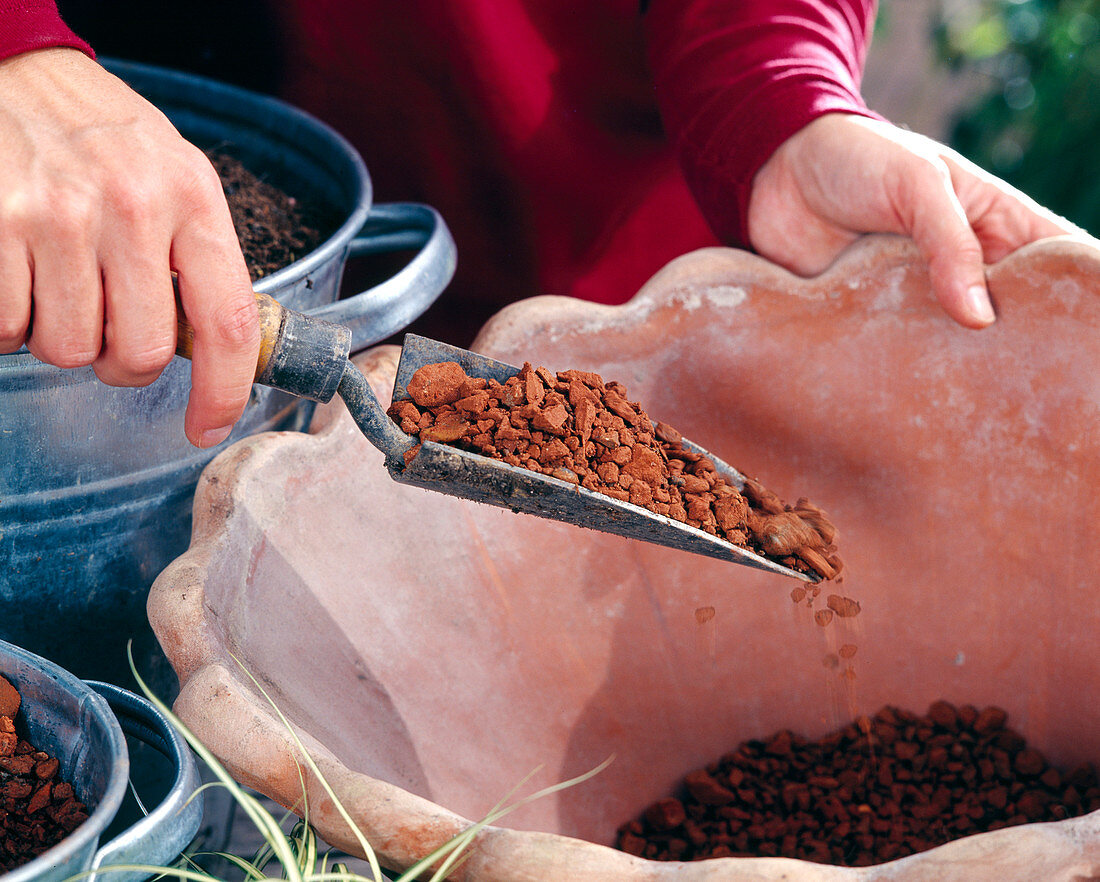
pixel 33 24
pixel 574 146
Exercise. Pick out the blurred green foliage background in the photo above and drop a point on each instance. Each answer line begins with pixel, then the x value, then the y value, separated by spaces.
pixel 1036 122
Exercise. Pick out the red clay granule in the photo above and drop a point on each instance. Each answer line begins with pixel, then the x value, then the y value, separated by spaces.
pixel 880 788
pixel 37 808
pixel 844 607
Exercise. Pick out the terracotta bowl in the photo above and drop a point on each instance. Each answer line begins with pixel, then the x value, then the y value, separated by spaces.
pixel 432 653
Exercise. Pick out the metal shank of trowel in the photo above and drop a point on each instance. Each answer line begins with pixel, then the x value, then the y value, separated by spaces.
pixel 299 354
pixel 308 358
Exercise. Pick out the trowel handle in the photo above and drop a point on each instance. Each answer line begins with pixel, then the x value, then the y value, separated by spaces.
pixel 299 354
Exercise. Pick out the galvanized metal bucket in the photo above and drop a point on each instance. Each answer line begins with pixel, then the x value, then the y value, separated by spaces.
pixel 82 724
pixel 96 483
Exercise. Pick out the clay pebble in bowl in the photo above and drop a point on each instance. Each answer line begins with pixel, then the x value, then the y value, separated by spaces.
pixel 432 652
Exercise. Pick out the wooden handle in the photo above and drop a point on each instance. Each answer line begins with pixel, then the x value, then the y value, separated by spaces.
pixel 272 316
pixel 299 354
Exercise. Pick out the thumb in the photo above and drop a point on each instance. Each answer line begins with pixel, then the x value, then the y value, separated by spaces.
pixel 941 230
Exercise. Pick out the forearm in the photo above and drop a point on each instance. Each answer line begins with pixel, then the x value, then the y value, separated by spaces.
pixel 736 78
pixel 34 24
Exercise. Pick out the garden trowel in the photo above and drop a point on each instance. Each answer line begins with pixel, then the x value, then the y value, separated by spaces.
pixel 309 357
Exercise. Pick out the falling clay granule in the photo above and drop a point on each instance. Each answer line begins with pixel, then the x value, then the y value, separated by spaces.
pixel 575 427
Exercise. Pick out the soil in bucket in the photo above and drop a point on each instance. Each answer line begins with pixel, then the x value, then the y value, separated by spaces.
pixel 274 228
pixel 880 788
pixel 37 808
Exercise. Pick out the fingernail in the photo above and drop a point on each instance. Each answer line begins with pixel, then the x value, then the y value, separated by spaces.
pixel 977 298
pixel 212 437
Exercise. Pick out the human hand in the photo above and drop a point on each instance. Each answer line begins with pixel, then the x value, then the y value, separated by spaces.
pixel 842 176
pixel 100 200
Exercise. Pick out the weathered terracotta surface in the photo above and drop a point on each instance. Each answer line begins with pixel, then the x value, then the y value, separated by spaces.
pixel 433 652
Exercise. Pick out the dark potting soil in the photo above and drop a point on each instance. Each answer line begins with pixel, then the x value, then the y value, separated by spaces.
pixel 577 428
pixel 274 228
pixel 881 788
pixel 37 809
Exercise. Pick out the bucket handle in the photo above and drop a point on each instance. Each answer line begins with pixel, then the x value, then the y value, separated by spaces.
pixel 377 313
pixel 159 837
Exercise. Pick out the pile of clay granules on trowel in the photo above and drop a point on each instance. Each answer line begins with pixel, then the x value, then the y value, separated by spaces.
pixel 575 427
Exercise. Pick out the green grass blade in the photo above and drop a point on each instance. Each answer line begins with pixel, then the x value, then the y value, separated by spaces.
pixel 267 825
pixel 307 846
pixel 250 870
pixel 368 851
pixel 297 852
pixel 181 873
pixel 452 850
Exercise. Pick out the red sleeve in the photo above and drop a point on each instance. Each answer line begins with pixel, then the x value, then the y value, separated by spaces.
pixel 34 24
pixel 736 78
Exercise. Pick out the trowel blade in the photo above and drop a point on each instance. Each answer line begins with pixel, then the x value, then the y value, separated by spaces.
pixel 456 472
